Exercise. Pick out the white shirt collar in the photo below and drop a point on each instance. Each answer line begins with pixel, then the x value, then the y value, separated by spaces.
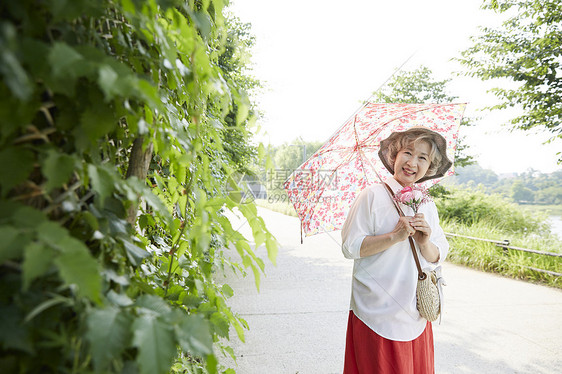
pixel 394 185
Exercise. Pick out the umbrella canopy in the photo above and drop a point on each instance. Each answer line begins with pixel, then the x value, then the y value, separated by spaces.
pixel 323 188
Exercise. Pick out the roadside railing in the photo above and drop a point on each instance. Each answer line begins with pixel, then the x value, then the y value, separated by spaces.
pixel 506 247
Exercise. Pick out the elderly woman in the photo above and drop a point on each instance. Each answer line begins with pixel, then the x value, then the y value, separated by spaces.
pixel 385 332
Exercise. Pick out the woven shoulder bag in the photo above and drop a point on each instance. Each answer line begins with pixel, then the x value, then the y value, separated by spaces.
pixel 429 295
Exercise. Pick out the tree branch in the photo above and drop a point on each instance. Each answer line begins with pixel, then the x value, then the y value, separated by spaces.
pixel 139 162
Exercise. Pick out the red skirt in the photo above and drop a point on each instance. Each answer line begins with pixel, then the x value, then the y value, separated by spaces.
pixel 366 352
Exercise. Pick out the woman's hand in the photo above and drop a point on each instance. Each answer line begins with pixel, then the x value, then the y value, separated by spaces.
pixel 403 229
pixel 428 250
pixel 423 231
pixel 373 244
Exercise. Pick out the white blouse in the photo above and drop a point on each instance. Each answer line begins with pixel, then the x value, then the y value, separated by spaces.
pixel 383 293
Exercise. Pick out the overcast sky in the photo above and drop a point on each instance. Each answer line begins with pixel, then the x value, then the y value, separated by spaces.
pixel 319 59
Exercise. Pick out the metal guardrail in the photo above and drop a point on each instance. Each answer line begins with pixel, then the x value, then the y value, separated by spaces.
pixel 505 245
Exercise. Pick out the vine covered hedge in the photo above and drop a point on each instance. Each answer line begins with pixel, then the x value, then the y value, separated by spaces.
pixel 121 121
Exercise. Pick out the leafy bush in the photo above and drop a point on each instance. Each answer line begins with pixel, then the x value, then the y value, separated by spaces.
pixel 469 207
pixel 98 98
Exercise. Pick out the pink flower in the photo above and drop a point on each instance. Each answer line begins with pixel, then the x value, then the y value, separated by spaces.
pixel 405 195
pixel 413 197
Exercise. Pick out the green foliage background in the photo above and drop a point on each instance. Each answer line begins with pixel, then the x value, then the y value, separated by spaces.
pixel 86 284
pixel 525 49
pixel 420 86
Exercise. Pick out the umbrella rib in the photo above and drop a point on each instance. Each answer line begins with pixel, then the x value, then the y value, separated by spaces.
pixel 359 151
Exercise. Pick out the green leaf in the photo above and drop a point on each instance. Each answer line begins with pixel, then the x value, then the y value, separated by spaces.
pixel 90 219
pixel 108 333
pixel 57 168
pixel 17 164
pixel 255 270
pixel 212 364
pixel 62 58
pixel 259 235
pixel 119 299
pixel 135 254
pixel 115 80
pixel 239 331
pixel 154 304
pixel 150 94
pixel 194 336
pixel 13 333
pixel 97 120
pixel 220 324
pixel 191 301
pixel 155 341
pixel 107 79
pixel 34 54
pixel 77 266
pixel 272 249
pixel 242 113
pixel 227 290
pixel 203 22
pixel 14 74
pixel 146 220
pixel 102 181
pixel 51 233
pixel 12 243
pixel 112 276
pixel 27 217
pixel 37 260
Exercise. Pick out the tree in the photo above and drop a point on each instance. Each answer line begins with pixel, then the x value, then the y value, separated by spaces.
pixel 114 157
pixel 291 156
pixel 419 86
pixel 525 49
pixel 520 193
pixel 476 173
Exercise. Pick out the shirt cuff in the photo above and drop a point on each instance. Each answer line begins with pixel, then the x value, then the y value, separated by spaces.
pixel 433 265
pixel 353 250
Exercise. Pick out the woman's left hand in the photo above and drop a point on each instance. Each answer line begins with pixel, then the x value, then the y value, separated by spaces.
pixel 423 231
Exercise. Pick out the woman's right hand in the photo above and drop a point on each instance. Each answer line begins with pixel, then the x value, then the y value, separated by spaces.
pixel 403 229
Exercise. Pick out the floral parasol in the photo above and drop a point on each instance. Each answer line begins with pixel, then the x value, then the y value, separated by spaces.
pixel 323 188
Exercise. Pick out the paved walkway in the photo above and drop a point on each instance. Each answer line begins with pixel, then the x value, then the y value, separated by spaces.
pixel 491 324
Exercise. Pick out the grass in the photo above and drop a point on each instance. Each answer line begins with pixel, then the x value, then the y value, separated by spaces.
pixel 516 264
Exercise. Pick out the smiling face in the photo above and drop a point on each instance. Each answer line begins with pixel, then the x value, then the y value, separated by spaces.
pixel 412 163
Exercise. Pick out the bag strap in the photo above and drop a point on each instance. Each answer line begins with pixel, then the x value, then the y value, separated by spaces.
pixel 421 275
